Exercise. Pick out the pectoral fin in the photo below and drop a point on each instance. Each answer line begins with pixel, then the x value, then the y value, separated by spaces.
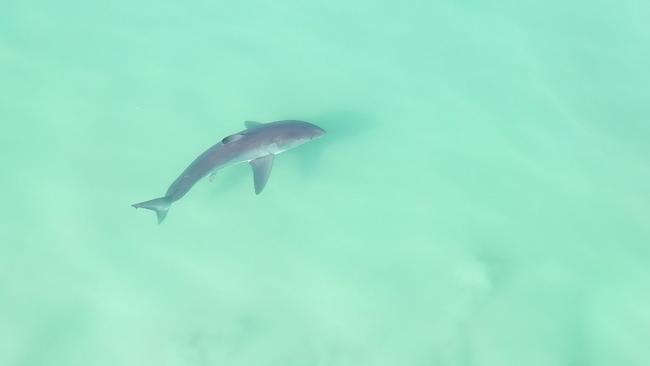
pixel 261 171
pixel 252 124
pixel 232 138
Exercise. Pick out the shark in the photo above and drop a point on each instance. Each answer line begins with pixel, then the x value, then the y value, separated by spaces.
pixel 256 145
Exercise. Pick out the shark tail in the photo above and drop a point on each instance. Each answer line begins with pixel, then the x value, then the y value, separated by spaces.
pixel 158 205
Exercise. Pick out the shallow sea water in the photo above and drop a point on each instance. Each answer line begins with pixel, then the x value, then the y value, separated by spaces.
pixel 481 197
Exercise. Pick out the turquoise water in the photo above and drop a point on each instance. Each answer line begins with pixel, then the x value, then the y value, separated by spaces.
pixel 481 197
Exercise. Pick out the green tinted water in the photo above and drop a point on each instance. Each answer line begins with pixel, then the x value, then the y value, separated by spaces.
pixel 481 197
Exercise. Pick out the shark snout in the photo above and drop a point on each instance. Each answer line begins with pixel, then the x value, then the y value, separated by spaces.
pixel 318 132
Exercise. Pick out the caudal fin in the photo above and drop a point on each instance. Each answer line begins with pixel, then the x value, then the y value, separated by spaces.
pixel 159 205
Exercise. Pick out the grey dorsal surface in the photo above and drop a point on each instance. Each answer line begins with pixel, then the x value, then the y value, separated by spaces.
pixel 257 144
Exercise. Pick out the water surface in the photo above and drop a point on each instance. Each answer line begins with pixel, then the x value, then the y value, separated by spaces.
pixel 481 197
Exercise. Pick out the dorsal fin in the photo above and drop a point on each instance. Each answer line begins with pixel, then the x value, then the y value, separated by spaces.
pixel 231 138
pixel 252 124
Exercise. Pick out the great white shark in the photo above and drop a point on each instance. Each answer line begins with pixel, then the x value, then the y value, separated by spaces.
pixel 257 145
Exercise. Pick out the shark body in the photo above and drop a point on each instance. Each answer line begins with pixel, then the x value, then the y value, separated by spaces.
pixel 256 145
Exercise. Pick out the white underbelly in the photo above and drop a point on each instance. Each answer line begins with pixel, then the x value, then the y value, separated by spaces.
pixel 262 151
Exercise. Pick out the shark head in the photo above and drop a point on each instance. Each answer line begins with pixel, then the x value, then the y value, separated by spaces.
pixel 296 133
